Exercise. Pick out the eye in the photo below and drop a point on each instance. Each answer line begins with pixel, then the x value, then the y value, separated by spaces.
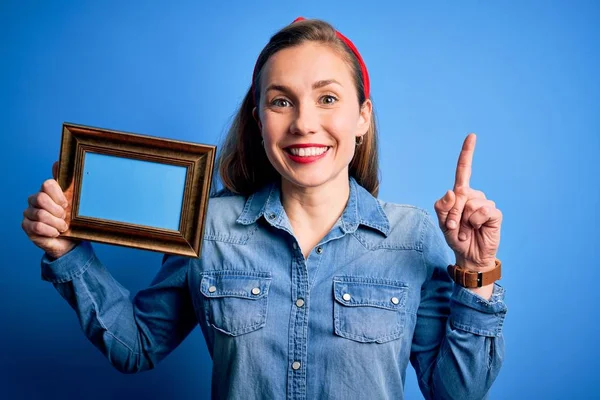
pixel 328 99
pixel 280 102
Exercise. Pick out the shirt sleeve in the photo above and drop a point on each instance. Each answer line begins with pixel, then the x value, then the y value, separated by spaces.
pixel 133 334
pixel 458 347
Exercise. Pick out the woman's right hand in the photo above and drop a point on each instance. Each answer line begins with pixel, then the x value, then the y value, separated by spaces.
pixel 44 219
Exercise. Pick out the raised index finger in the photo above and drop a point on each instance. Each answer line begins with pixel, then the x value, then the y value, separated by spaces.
pixel 465 160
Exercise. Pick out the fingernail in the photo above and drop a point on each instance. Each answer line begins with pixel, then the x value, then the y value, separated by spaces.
pixel 65 228
pixel 451 224
pixel 462 236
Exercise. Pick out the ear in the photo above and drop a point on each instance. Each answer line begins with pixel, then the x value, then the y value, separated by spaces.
pixel 256 118
pixel 364 120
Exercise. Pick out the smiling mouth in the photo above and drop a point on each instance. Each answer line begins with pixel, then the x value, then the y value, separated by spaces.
pixel 307 151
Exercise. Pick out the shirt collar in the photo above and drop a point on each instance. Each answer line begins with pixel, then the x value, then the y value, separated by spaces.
pixel 362 209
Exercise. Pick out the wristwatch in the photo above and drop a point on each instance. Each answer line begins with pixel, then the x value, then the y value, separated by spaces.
pixel 474 279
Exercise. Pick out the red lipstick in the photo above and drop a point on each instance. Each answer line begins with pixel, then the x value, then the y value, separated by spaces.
pixel 305 159
pixel 304 145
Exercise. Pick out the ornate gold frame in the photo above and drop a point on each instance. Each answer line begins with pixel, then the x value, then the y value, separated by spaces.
pixel 197 158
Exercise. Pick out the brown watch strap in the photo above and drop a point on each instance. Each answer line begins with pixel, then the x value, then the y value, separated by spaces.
pixel 473 279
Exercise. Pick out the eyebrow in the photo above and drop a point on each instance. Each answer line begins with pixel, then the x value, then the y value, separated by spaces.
pixel 316 85
pixel 325 82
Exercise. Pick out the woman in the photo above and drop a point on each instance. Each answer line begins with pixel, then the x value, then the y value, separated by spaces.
pixel 308 286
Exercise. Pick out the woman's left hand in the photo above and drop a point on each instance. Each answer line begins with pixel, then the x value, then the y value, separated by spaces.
pixel 470 222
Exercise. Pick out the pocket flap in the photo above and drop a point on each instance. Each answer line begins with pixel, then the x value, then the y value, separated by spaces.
pixel 247 285
pixel 375 292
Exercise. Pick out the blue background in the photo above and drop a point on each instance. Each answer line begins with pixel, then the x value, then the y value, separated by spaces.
pixel 149 193
pixel 521 74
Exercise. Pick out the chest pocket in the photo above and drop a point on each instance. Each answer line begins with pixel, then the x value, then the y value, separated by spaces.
pixel 235 302
pixel 369 310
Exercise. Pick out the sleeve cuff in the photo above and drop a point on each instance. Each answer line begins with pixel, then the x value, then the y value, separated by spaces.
pixel 474 314
pixel 69 266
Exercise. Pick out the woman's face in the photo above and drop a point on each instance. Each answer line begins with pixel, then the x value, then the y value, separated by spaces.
pixel 309 114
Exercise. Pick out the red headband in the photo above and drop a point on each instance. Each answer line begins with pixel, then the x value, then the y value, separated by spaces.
pixel 361 63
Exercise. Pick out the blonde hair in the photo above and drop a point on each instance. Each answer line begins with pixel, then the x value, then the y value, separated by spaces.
pixel 243 164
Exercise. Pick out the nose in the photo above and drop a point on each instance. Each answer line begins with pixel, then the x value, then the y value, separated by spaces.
pixel 306 120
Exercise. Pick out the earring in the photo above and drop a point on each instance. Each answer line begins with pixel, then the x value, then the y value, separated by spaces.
pixel 360 140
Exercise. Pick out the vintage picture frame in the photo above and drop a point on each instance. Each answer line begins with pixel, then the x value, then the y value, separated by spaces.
pixel 198 159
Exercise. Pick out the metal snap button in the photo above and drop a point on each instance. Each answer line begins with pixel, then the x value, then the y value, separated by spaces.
pixel 212 289
pixel 296 365
pixel 256 291
pixel 319 250
pixel 346 296
pixel 395 300
pixel 299 303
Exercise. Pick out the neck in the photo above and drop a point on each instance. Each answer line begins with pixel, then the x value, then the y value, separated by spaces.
pixel 314 210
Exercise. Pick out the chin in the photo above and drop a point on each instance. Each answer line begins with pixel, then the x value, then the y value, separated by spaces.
pixel 312 180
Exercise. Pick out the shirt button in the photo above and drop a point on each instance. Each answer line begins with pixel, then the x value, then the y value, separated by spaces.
pixel 256 291
pixel 346 296
pixel 294 245
pixel 296 365
pixel 299 303
pixel 395 300
pixel 212 289
pixel 271 216
pixel 319 250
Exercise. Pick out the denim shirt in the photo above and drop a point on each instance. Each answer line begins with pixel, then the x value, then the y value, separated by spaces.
pixel 341 324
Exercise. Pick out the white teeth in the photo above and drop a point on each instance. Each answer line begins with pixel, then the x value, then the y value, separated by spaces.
pixel 308 151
